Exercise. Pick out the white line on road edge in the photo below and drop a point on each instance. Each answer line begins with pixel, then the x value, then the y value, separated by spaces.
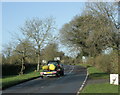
pixel 83 84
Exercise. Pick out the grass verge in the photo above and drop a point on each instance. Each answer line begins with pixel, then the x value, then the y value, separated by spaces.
pixel 12 80
pixel 95 73
pixel 100 88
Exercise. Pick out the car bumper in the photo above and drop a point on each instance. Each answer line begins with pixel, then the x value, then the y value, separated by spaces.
pixel 53 73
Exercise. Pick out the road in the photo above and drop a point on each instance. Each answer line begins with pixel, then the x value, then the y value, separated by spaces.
pixel 69 83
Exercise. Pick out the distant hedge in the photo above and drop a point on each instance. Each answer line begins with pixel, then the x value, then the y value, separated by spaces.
pixel 14 69
pixel 10 69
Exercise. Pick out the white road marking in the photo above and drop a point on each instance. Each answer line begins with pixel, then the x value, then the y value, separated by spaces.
pixel 83 84
pixel 42 87
pixel 69 72
pixel 72 69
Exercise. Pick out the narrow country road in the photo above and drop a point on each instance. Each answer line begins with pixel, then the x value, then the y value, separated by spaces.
pixel 69 83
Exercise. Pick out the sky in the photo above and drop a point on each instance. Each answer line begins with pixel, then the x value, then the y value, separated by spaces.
pixel 14 14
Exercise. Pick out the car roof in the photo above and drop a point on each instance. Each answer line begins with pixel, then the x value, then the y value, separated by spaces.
pixel 54 61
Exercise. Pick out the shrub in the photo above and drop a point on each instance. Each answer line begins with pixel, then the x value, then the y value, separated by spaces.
pixel 107 62
pixel 90 61
pixel 103 62
pixel 114 62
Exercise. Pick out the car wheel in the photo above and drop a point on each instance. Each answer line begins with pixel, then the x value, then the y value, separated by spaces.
pixel 62 73
pixel 57 75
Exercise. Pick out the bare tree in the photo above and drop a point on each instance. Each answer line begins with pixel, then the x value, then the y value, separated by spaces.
pixel 109 10
pixel 39 31
pixel 8 52
pixel 106 9
pixel 24 50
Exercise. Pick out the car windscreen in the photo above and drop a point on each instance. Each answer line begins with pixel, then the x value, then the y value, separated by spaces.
pixel 55 63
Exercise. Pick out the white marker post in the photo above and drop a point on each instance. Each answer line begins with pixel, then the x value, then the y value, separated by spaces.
pixel 44 61
pixel 57 58
pixel 114 79
pixel 84 60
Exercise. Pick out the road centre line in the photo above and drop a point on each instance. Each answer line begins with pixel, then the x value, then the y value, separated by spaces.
pixel 69 71
pixel 72 69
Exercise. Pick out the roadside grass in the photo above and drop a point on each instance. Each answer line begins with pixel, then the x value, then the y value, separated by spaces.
pixel 12 80
pixel 85 65
pixel 100 88
pixel 95 73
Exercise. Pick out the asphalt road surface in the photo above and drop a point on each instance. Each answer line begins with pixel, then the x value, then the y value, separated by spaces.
pixel 69 83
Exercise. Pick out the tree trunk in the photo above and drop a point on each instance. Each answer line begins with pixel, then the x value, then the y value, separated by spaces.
pixel 38 64
pixel 23 67
pixel 23 62
pixel 94 56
